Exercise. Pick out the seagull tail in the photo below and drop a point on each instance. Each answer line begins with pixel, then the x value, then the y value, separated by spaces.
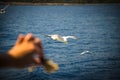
pixel 66 42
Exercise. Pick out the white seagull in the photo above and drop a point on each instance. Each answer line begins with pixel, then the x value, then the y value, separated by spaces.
pixel 84 52
pixel 3 9
pixel 63 39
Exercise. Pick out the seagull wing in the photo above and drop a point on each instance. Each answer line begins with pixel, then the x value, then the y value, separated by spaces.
pixel 56 37
pixel 84 52
pixel 6 7
pixel 49 35
pixel 72 37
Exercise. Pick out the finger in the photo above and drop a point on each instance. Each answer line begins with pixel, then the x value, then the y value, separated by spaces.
pixel 36 59
pixel 39 49
pixel 20 39
pixel 38 44
pixel 29 37
pixel 37 41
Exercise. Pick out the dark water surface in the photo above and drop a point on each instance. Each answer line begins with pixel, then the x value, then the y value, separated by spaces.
pixel 96 26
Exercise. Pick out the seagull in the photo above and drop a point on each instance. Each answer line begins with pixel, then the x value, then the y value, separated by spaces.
pixel 60 38
pixel 3 10
pixel 84 52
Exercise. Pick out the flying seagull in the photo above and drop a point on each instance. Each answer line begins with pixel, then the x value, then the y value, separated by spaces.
pixel 84 52
pixel 3 9
pixel 60 38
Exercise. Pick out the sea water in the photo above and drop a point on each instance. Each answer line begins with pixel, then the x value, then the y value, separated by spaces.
pixel 96 26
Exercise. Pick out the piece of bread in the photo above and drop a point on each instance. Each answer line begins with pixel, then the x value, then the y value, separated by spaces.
pixel 49 66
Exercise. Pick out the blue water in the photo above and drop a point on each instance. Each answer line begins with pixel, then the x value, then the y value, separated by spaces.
pixel 96 26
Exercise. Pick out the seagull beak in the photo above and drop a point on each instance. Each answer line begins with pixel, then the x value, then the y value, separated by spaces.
pixel 46 35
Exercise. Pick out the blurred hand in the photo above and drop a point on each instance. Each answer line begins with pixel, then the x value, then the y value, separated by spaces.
pixel 24 49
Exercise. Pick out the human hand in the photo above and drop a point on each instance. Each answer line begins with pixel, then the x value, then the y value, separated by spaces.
pixel 24 50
